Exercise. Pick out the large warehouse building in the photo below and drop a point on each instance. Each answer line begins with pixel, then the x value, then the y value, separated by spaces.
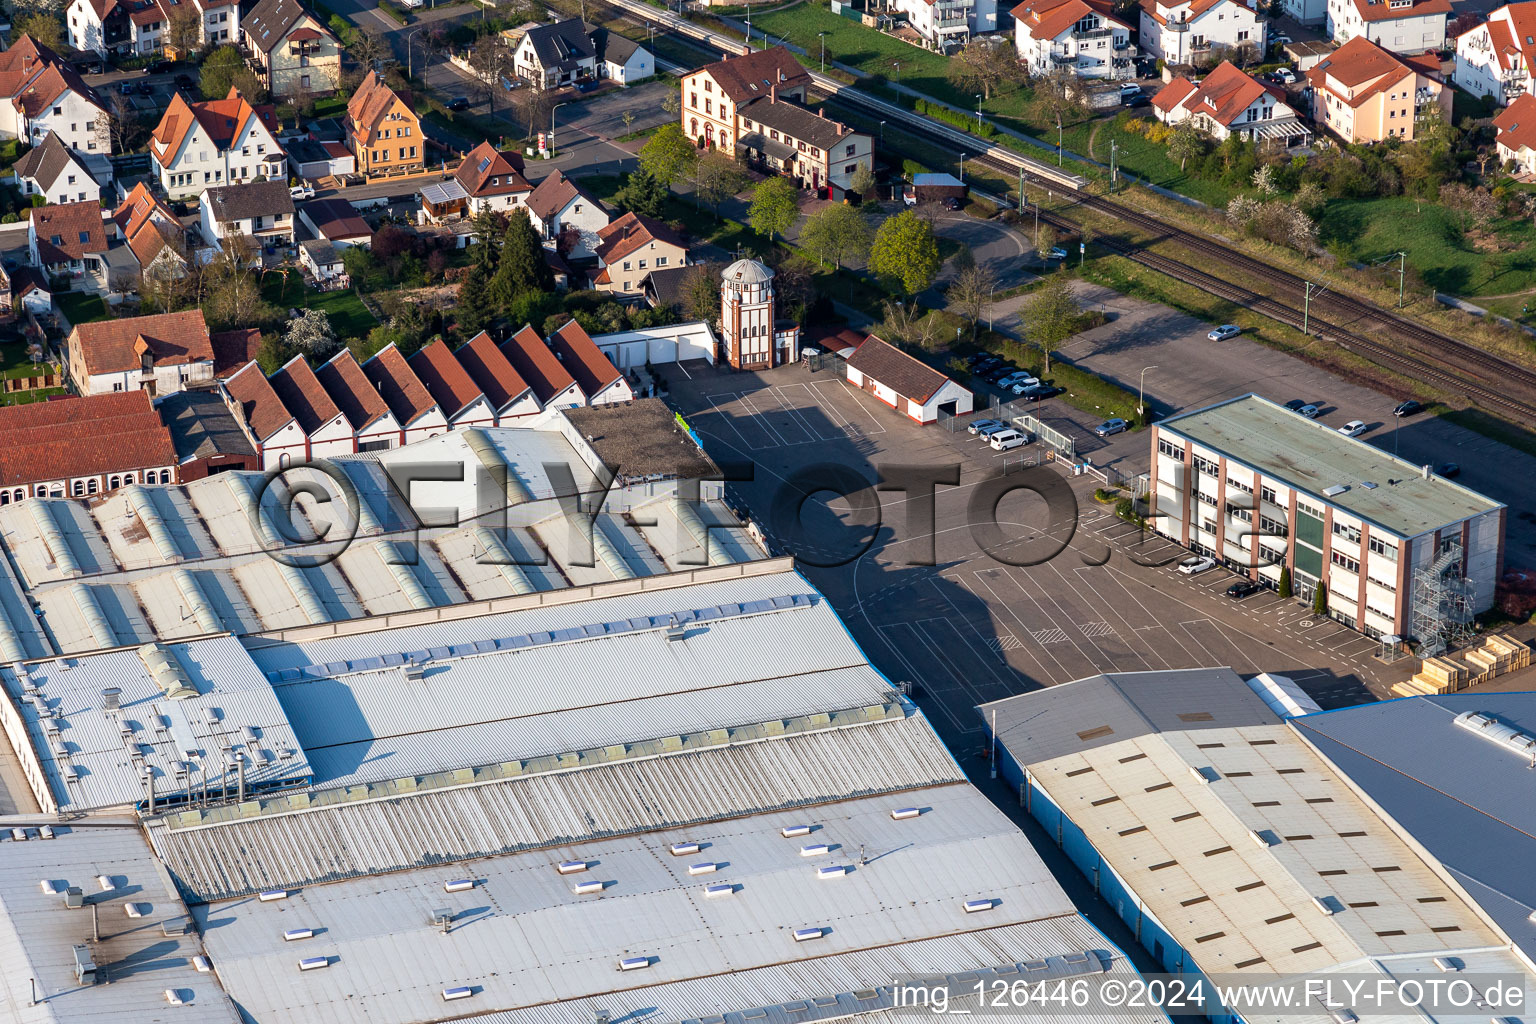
pixel 1234 841
pixel 686 798
pixel 1399 550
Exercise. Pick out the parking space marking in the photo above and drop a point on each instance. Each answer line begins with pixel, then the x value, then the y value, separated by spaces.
pixel 1000 607
pixel 1216 627
pixel 761 420
pixel 726 418
pixel 795 416
pixel 1093 629
pixel 1050 636
pixel 1007 642
pixel 848 393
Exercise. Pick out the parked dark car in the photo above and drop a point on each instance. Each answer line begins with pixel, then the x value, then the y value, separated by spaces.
pixel 1408 408
pixel 160 67
pixel 951 203
pixel 1141 99
pixel 1449 470
pixel 1038 392
pixel 184 81
pixel 145 89
pixel 1242 589
pixel 998 372
pixel 988 364
pixel 1295 405
pixel 126 88
pixel 458 103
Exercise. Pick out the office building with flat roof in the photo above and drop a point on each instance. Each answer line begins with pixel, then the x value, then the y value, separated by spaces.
pixel 1263 489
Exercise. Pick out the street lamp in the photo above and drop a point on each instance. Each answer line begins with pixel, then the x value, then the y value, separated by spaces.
pixel 409 53
pixel 1141 391
pixel 978 112
pixel 897 65
pixel 823 37
pixel 552 110
pixel 882 133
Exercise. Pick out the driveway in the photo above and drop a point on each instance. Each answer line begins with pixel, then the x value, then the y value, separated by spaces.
pixel 996 247
pixel 603 115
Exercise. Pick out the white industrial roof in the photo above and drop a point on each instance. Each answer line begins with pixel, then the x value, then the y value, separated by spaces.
pixel 137 958
pixel 521 937
pixel 146 563
pixel 62 704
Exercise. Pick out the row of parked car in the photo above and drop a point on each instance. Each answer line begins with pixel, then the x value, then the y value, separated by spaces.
pixel 1009 378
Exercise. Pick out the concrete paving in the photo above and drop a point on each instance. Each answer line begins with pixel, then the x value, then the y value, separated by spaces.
pixel 980 623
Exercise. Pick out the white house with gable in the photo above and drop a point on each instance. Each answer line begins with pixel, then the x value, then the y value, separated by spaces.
pixel 1183 31
pixel 1496 58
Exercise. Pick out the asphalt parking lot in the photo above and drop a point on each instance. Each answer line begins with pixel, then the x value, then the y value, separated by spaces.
pixel 1186 371
pixel 969 628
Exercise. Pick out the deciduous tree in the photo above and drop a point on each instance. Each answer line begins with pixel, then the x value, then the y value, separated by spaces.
pixel 984 66
pixel 700 292
pixel 184 30
pixel 1185 142
pixel 905 251
pixel 837 235
pixel 970 292
pixel 863 182
pixel 311 334
pixel 41 26
pixel 775 205
pixel 224 68
pixel 1051 316
pixel 490 62
pixel 716 177
pixel 668 155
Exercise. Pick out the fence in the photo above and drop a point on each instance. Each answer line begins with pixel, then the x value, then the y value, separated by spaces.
pixel 818 361
pixel 1065 446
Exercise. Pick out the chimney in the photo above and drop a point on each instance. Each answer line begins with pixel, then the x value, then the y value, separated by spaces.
pixel 821 111
pixel 773 94
pixel 841 128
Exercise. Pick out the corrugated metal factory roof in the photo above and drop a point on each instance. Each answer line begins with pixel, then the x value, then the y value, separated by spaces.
pixel 243 855
pixel 156 727
pixel 1464 799
pixel 522 937
pixel 137 958
pixel 1248 847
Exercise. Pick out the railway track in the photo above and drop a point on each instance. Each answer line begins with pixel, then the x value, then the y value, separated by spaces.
pixel 1484 378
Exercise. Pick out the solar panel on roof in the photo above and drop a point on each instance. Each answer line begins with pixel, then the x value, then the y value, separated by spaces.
pixel 420 655
pixel 461 650
pixel 336 668
pixel 484 163
pixel 392 659
pixel 483 646
pixel 540 638
pixel 439 652
pixel 594 630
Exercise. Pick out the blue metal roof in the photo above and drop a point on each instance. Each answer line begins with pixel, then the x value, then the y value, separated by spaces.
pixel 1470 803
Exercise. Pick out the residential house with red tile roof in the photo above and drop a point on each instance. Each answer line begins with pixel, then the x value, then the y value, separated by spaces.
pixel 503 387
pixel 1363 93
pixel 630 248
pixel 326 431
pixel 216 142
pixel 272 429
pixel 374 426
pixel 451 386
pixel 69 239
pixel 598 379
pixel 492 180
pixel 1516 140
pixel 407 397
pixel 713 93
pixel 22 62
pixel 1496 58
pixel 552 384
pixel 1084 35
pixel 1402 26
pixel 293 51
pixel 905 383
pixel 139 27
pixel 162 354
pixel 1231 102
pixel 49 97
pixel 948 23
pixel 559 203
pixel 1183 31
pixel 383 131
pixel 153 234
pixel 81 446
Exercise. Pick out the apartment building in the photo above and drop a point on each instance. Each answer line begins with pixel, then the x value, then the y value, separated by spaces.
pixel 1516 140
pixel 1183 31
pixel 1363 93
pixel 1228 101
pixel 713 94
pixel 1404 26
pixel 1084 35
pixel 1262 489
pixel 1495 58
pixel 947 24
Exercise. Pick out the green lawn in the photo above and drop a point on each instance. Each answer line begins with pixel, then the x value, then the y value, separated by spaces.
pixel 859 47
pixel 14 361
pixel 81 307
pixel 349 317
pixel 1371 230
pixel 1146 161
pixel 28 397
